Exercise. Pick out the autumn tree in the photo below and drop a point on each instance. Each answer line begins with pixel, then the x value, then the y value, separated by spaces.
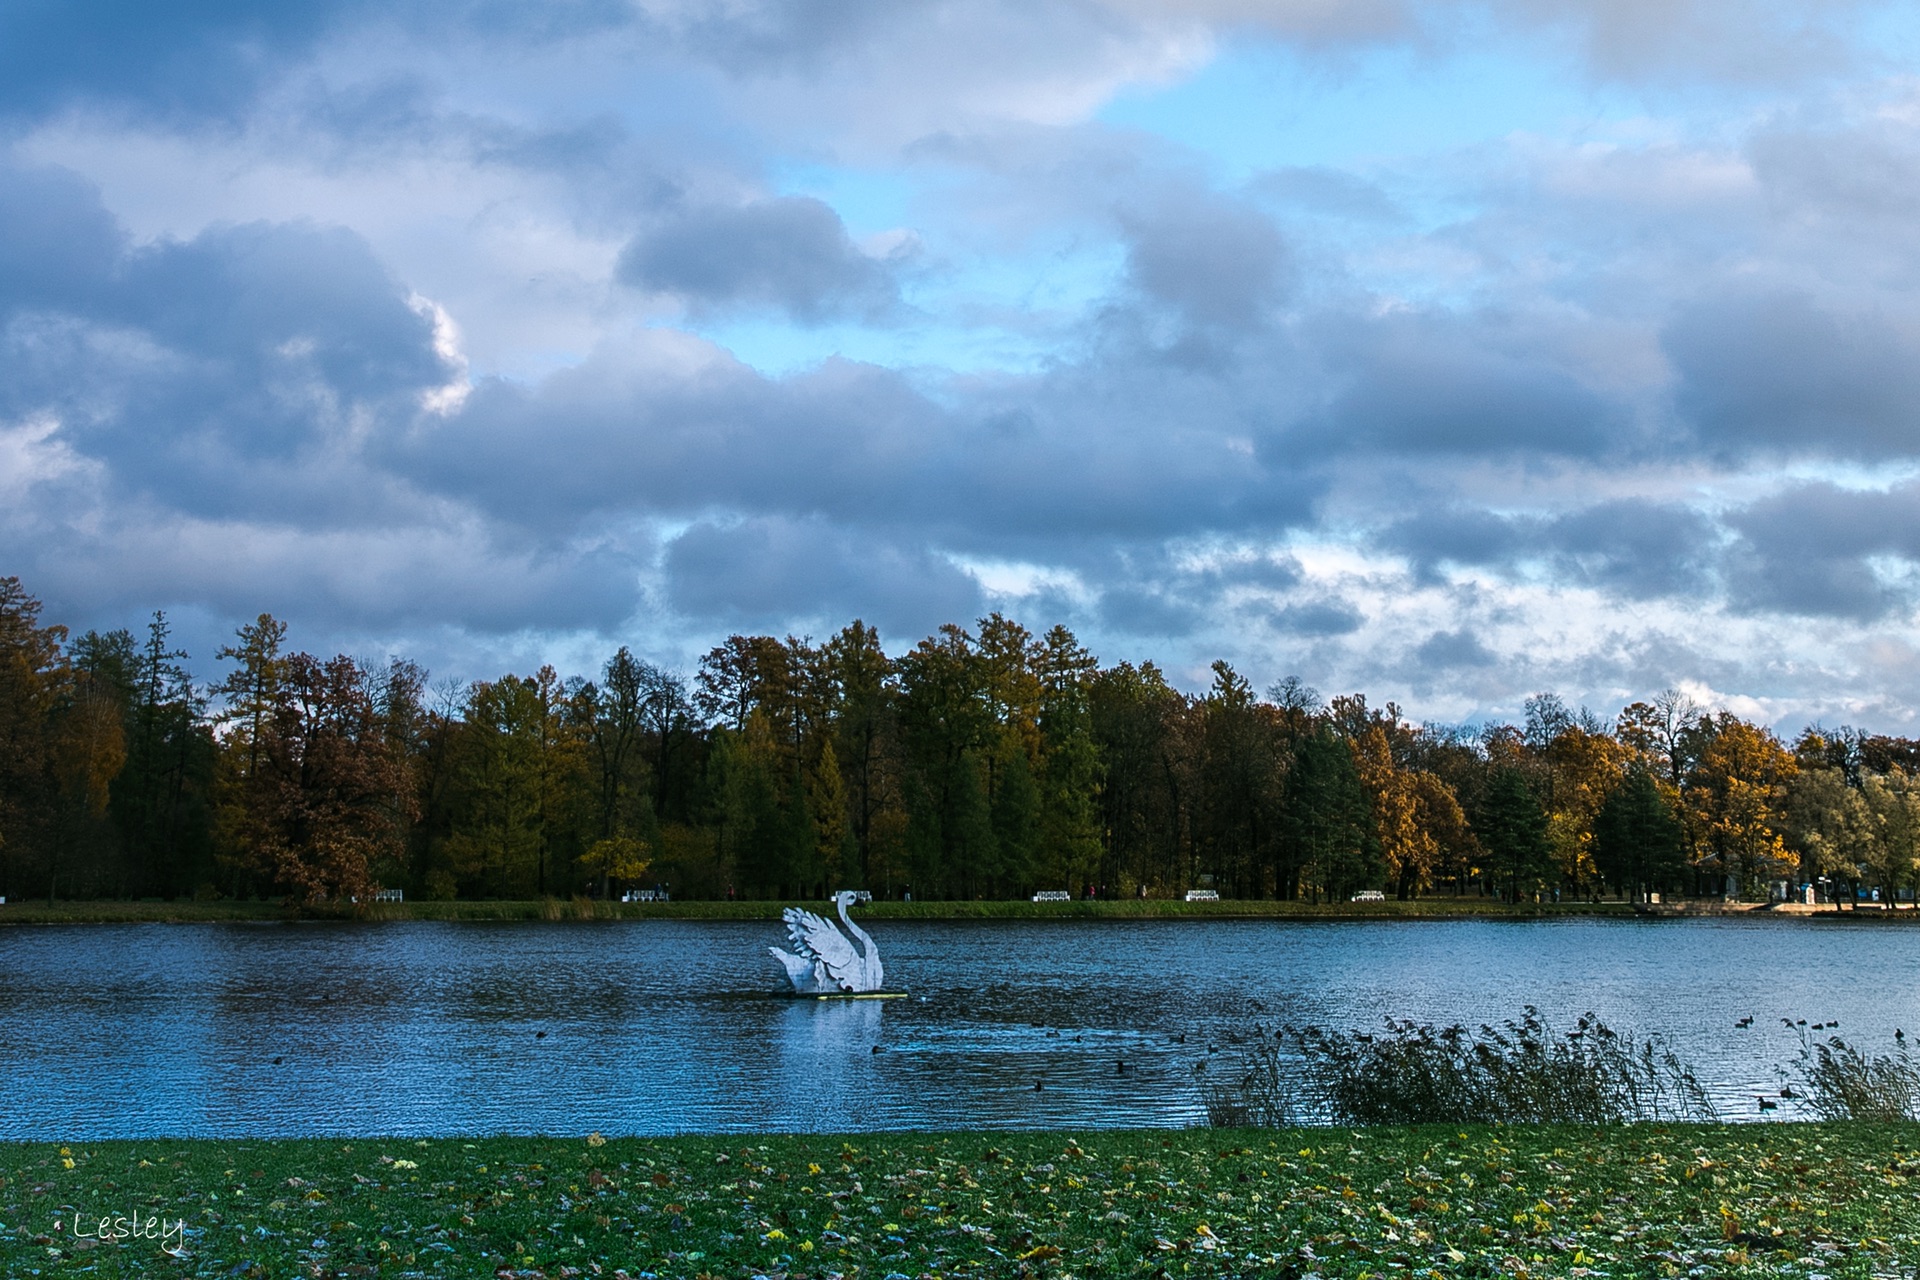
pixel 319 801
pixel 1417 819
pixel 1582 768
pixel 32 671
pixel 1735 792
pixel 1893 858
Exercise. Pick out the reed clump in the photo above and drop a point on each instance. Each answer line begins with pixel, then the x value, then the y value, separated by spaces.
pixel 1840 1082
pixel 1522 1071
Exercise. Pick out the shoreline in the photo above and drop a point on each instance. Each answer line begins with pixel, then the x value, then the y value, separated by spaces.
pixel 552 910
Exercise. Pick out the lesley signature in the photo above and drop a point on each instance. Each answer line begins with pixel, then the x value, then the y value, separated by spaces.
pixel 136 1227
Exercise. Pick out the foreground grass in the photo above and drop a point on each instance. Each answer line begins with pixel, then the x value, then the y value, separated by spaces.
pixel 1797 1200
pixel 86 912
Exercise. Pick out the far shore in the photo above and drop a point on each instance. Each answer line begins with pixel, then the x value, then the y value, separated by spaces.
pixel 110 911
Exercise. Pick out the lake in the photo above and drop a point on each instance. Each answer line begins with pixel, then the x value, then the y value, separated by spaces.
pixel 656 1027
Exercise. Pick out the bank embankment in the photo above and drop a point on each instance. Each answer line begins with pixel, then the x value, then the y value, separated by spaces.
pixel 554 909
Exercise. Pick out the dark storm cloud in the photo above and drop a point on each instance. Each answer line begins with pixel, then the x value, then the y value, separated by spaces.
pixel 1776 372
pixel 1808 550
pixel 1637 548
pixel 203 408
pixel 677 427
pixel 1318 618
pixel 1148 591
pixel 766 572
pixel 1140 612
pixel 1445 650
pixel 672 426
pixel 790 253
pixel 1442 384
pixel 1457 535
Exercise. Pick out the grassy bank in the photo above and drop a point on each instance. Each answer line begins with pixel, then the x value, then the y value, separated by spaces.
pixel 1757 1200
pixel 79 912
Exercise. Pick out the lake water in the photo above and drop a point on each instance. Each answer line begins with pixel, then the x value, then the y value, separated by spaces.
pixel 661 1027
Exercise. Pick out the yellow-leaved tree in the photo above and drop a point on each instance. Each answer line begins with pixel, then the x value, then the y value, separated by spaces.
pixel 1417 817
pixel 1583 768
pixel 1736 799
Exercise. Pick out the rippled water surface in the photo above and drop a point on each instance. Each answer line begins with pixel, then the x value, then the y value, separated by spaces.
pixel 665 1026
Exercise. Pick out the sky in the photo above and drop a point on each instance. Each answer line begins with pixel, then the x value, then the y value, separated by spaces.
pixel 1449 351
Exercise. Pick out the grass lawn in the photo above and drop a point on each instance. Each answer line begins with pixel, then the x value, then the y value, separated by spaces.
pixel 1762 1200
pixel 85 912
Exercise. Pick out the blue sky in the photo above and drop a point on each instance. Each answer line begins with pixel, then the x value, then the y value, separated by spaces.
pixel 1448 351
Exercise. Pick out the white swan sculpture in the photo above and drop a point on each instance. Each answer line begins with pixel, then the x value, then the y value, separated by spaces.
pixel 823 961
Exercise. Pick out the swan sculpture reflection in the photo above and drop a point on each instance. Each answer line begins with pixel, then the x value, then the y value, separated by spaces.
pixel 823 960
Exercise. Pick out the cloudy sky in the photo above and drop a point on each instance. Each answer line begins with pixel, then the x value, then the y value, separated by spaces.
pixel 1451 351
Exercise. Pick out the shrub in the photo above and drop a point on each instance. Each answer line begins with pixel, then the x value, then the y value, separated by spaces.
pixel 1414 1073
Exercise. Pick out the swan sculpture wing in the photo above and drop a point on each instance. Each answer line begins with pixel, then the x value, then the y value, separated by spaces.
pixel 819 941
pixel 805 973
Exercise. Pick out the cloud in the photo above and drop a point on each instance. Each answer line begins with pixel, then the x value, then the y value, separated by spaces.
pixel 1452 534
pixel 214 369
pixel 1774 371
pixel 1215 264
pixel 1496 396
pixel 1812 550
pixel 58 245
pixel 1453 649
pixel 1636 547
pixel 789 253
pixel 769 572
pixel 1318 618
pixel 182 62
pixel 1440 383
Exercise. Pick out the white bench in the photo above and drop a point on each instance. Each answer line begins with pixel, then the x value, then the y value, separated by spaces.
pixel 1053 895
pixel 1203 895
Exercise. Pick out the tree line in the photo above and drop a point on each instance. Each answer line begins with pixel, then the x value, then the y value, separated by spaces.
pixel 981 763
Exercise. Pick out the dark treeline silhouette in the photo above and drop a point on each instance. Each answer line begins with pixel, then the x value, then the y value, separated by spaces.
pixel 980 764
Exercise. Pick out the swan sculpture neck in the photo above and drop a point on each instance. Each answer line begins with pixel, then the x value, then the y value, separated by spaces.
pixel 859 935
pixel 869 954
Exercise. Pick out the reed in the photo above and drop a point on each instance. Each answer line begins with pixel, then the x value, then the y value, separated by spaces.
pixel 1522 1071
pixel 1840 1082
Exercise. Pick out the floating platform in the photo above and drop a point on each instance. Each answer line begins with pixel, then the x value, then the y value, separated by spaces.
pixel 811 995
